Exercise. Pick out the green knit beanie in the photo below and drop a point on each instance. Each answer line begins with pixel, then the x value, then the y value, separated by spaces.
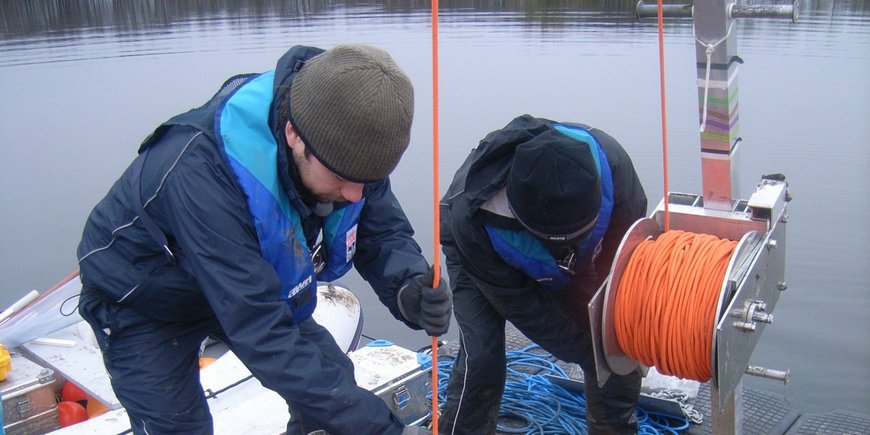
pixel 353 107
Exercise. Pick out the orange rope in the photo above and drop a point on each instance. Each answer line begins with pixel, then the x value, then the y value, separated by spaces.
pixel 663 112
pixel 666 302
pixel 437 222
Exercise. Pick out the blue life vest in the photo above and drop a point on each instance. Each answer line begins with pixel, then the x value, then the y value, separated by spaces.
pixel 242 127
pixel 522 250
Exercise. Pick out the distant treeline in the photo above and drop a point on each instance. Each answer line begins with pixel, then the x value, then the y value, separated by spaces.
pixel 28 17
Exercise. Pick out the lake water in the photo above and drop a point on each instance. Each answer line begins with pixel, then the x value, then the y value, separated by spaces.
pixel 82 83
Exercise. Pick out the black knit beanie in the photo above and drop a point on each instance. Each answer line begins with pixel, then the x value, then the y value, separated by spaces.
pixel 353 107
pixel 553 187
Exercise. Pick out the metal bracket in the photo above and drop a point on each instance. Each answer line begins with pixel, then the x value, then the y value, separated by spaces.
pixel 644 11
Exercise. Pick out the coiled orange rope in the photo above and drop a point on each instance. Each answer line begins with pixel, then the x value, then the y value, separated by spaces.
pixel 665 304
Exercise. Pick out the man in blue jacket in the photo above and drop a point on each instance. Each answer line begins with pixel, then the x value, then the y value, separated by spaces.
pixel 210 232
pixel 530 226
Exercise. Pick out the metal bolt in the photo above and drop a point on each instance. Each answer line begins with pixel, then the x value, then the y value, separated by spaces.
pixel 771 245
pixel 784 218
pixel 745 326
pixel 782 285
pixel 763 317
pixel 777 375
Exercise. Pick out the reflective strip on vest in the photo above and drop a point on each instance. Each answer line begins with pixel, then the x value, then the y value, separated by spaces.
pixel 242 127
pixel 339 235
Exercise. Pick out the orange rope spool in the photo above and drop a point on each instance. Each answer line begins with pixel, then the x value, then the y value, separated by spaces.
pixel 665 305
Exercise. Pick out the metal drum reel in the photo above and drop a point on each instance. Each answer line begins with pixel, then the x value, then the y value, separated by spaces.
pixel 755 273
pixel 750 288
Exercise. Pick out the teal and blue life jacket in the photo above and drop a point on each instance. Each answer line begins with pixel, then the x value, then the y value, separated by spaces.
pixel 242 128
pixel 524 251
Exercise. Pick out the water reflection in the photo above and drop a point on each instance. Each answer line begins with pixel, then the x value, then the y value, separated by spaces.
pixel 119 28
pixel 85 80
pixel 23 18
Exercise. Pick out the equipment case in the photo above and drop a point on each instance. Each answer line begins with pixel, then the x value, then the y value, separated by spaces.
pixel 406 396
pixel 29 403
pixel 394 374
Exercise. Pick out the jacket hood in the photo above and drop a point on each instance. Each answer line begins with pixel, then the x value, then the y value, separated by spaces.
pixel 291 62
pixel 286 68
pixel 494 155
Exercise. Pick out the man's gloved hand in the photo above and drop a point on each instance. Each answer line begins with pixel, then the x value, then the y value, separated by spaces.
pixel 416 430
pixel 428 307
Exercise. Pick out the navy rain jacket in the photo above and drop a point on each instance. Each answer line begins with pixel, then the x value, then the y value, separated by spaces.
pixel 485 172
pixel 196 201
pixel 488 291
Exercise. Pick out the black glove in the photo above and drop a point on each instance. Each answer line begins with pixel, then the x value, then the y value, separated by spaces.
pixel 428 307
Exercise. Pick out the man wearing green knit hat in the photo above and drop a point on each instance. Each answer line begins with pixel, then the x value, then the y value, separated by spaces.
pixel 210 231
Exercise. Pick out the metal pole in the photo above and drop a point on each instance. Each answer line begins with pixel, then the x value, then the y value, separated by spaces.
pixel 717 63
pixel 727 418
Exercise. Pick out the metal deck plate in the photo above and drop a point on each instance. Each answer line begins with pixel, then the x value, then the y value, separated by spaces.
pixel 835 422
pixel 763 413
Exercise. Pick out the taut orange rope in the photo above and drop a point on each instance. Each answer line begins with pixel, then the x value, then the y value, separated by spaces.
pixel 666 302
pixel 663 111
pixel 437 222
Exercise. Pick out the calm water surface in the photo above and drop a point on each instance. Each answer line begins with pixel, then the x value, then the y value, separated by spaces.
pixel 82 82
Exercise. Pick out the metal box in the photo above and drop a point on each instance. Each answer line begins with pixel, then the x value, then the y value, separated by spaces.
pixel 394 374
pixel 29 403
pixel 407 396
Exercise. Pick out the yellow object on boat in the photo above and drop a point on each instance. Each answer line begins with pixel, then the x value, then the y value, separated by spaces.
pixel 5 362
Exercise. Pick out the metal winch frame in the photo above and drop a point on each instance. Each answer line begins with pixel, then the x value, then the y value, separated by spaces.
pixel 750 290
pixel 755 276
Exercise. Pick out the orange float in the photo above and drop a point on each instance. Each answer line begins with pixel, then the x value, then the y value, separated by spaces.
pixel 95 407
pixel 73 393
pixel 70 413
pixel 205 361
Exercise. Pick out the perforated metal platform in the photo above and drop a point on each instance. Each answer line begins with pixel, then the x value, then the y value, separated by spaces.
pixel 764 413
pixel 836 422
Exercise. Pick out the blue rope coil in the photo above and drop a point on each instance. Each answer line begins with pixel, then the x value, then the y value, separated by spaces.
pixel 532 404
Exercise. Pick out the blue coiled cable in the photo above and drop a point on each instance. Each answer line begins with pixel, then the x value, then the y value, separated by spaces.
pixel 535 405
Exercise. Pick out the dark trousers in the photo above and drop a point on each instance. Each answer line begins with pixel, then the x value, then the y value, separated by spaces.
pixel 557 321
pixel 154 366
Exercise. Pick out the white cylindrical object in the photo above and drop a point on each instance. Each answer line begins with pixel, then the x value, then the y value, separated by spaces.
pixel 19 304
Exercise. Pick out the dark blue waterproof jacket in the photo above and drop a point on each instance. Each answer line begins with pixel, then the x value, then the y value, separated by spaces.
pixel 467 224
pixel 192 194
